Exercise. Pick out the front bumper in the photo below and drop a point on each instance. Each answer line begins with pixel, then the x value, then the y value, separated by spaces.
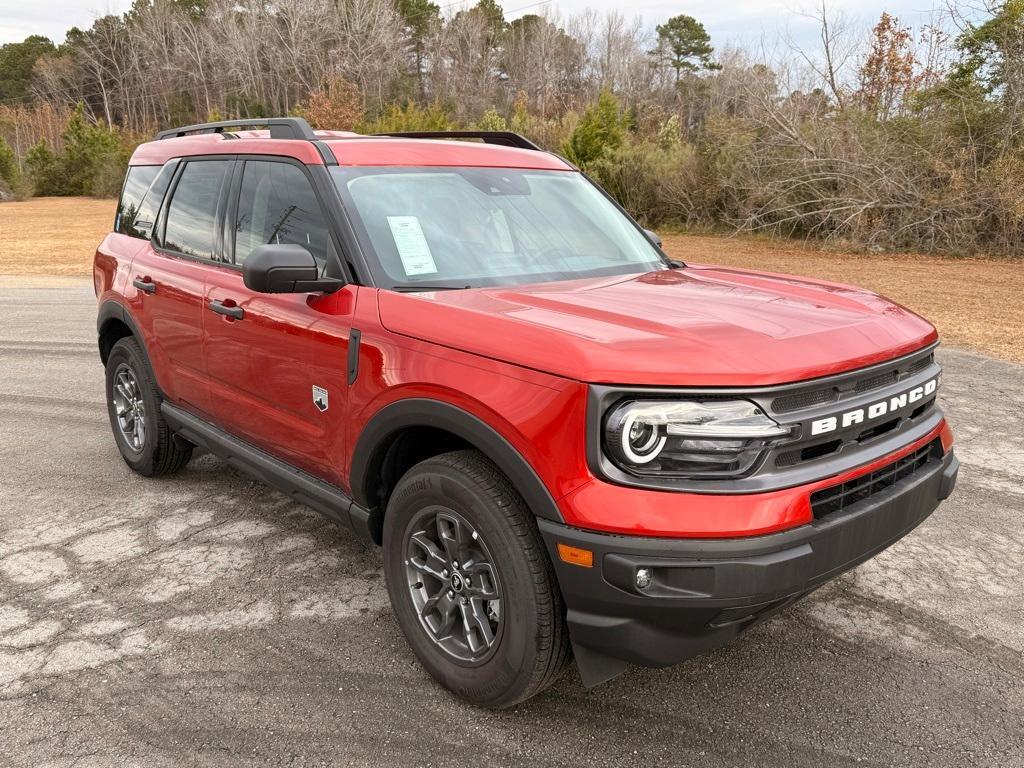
pixel 706 591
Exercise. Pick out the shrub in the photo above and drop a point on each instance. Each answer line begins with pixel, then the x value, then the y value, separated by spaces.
pixel 409 117
pixel 492 121
pixel 336 106
pixel 108 173
pixel 44 171
pixel 8 164
pixel 91 162
pixel 657 185
pixel 601 129
pixel 86 147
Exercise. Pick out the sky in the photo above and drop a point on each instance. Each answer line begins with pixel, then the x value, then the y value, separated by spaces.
pixel 735 21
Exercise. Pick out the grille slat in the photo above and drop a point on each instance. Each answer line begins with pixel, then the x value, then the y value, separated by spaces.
pixel 877 382
pixel 800 400
pixel 839 497
pixel 809 398
pixel 920 365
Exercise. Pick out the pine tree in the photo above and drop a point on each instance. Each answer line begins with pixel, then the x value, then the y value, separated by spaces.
pixel 684 45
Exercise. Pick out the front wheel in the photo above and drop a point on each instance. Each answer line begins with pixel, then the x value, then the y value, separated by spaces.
pixel 470 582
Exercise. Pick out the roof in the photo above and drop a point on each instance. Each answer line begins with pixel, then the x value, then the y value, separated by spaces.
pixel 350 149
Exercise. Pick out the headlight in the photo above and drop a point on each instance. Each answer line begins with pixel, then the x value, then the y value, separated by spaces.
pixel 688 438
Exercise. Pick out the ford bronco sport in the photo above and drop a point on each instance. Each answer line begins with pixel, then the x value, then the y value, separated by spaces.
pixel 568 444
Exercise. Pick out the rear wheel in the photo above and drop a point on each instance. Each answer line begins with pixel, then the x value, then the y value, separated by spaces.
pixel 133 403
pixel 470 582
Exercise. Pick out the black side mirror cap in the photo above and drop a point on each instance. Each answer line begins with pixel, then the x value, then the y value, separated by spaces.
pixel 653 237
pixel 285 268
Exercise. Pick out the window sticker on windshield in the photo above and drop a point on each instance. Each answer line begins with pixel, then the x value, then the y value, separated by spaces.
pixel 500 226
pixel 412 245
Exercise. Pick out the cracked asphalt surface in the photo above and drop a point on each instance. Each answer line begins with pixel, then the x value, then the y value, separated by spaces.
pixel 207 620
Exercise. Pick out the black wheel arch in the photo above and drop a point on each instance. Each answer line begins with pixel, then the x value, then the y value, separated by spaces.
pixel 388 424
pixel 114 322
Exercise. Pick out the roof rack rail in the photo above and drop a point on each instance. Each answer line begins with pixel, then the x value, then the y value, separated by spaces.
pixel 280 128
pixel 501 138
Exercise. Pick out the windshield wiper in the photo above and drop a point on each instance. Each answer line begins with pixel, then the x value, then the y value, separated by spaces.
pixel 417 288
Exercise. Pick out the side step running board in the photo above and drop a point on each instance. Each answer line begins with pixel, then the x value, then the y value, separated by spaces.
pixel 325 498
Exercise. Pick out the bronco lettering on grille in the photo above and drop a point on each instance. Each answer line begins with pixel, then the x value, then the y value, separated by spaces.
pixel 874 410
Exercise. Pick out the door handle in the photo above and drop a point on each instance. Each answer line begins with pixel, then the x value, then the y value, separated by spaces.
pixel 223 309
pixel 144 284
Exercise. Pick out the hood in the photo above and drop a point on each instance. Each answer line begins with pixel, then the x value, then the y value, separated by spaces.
pixel 696 326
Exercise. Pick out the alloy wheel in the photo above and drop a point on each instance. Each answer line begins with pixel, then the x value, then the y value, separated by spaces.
pixel 453 584
pixel 129 407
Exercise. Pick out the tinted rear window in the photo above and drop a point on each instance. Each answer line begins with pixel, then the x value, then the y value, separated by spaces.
pixel 193 209
pixel 135 185
pixel 140 223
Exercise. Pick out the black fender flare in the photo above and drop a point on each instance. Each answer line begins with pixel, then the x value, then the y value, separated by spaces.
pixel 423 412
pixel 115 310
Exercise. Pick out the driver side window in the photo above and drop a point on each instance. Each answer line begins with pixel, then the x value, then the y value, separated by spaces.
pixel 276 204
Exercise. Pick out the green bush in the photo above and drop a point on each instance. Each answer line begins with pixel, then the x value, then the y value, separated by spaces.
pixel 86 148
pixel 44 171
pixel 108 173
pixel 410 117
pixel 658 185
pixel 492 121
pixel 92 161
pixel 602 129
pixel 8 164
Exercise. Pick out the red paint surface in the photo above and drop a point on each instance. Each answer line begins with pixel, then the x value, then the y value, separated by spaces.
pixel 695 326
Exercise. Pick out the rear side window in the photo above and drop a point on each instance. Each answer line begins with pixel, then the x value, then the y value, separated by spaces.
pixel 276 204
pixel 141 224
pixel 135 185
pixel 192 212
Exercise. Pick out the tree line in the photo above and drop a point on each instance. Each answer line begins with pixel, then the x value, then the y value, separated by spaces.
pixel 885 138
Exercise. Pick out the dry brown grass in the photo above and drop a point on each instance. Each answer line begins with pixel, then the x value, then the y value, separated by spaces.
pixel 974 302
pixel 53 235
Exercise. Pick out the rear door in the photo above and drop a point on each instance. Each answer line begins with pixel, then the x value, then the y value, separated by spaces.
pixel 277 362
pixel 169 273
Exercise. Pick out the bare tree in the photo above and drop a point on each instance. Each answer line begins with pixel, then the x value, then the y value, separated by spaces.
pixel 833 62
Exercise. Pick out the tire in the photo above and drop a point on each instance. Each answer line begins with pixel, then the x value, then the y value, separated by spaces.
pixel 529 645
pixel 151 450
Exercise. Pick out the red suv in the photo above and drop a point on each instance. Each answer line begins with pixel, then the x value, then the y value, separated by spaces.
pixel 567 443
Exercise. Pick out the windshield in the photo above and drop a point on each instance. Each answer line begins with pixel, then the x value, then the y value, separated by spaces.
pixel 470 227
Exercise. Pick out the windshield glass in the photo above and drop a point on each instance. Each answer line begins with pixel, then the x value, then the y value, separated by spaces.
pixel 470 227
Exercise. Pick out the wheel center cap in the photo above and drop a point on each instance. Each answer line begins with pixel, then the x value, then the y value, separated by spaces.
pixel 458 582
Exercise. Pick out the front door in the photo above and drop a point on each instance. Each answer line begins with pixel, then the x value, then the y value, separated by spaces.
pixel 277 364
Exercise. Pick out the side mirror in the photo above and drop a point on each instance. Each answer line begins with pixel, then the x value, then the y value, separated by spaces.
pixel 277 268
pixel 653 237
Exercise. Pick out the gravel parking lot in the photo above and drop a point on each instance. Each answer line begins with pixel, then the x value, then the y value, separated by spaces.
pixel 207 620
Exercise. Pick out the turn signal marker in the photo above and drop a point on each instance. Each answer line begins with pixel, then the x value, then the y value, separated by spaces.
pixel 575 555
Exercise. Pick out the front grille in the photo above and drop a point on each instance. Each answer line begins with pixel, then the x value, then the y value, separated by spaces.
pixel 789 458
pixel 877 382
pixel 920 365
pixel 839 497
pixel 810 397
pixel 800 400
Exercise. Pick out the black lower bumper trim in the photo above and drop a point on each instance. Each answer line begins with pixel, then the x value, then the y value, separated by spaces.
pixel 704 592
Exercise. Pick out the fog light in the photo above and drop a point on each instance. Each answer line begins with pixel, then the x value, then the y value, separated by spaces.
pixel 644 577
